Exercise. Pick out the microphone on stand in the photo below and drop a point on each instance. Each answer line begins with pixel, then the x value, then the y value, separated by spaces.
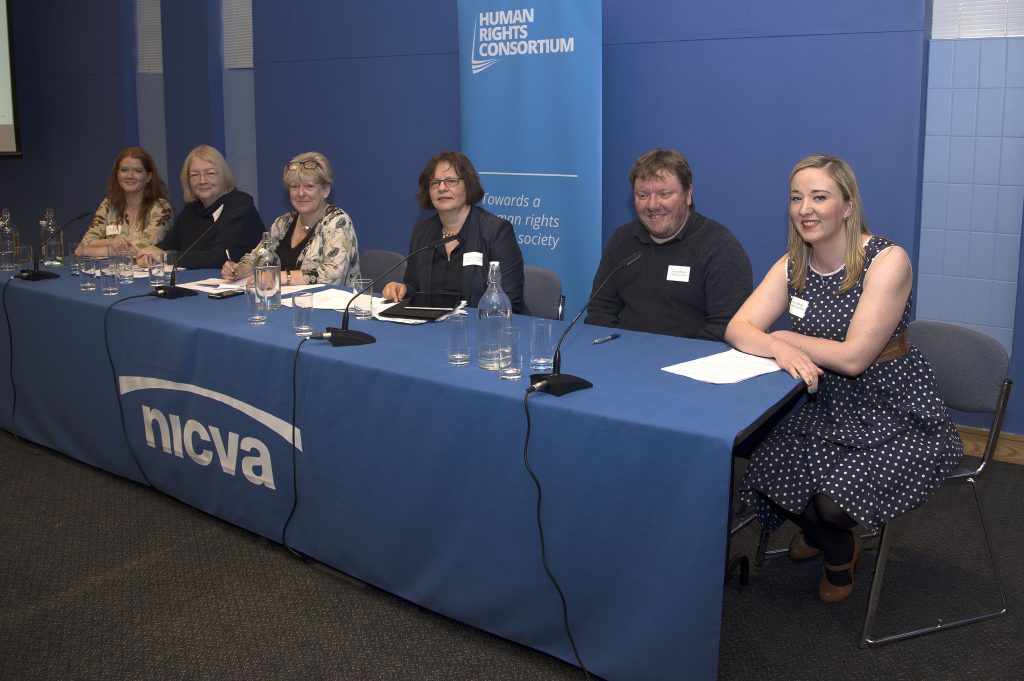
pixel 344 337
pixel 35 274
pixel 172 290
pixel 557 383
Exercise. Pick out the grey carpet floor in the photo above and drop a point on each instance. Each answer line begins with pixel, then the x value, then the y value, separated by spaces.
pixel 101 578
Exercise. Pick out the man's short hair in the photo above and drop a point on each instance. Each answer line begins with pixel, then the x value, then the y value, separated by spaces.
pixel 657 161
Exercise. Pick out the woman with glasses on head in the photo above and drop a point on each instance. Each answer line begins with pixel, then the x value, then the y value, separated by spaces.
pixel 135 213
pixel 316 241
pixel 217 219
pixel 450 185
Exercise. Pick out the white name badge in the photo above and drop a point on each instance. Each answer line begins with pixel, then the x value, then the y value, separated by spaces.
pixel 678 273
pixel 113 230
pixel 473 258
pixel 797 306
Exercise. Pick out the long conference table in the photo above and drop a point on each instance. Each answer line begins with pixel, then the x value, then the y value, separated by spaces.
pixel 408 473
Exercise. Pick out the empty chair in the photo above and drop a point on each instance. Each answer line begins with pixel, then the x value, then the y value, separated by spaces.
pixel 375 263
pixel 971 371
pixel 543 293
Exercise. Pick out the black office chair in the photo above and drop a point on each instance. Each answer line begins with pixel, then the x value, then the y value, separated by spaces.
pixel 543 293
pixel 971 369
pixel 375 263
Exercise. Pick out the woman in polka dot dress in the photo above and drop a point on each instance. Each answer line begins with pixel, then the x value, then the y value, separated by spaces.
pixel 875 440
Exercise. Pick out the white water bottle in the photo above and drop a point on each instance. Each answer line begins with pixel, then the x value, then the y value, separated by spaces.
pixel 267 274
pixel 6 241
pixel 50 243
pixel 493 313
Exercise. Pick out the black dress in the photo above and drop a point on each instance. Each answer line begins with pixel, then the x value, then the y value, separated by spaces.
pixel 878 444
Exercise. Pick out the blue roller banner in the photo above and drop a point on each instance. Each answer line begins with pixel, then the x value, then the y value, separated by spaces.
pixel 530 79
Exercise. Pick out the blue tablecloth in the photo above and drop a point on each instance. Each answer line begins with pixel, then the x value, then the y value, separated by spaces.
pixel 409 473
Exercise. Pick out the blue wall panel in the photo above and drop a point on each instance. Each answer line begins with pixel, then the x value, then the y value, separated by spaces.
pixel 745 110
pixel 376 91
pixel 70 107
pixel 193 93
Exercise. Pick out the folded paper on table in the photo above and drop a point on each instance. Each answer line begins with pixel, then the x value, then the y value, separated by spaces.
pixel 731 366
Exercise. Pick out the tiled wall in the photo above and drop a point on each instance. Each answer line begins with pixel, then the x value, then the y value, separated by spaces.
pixel 973 194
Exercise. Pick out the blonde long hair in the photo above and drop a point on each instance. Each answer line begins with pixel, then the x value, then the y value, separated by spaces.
pixel 855 225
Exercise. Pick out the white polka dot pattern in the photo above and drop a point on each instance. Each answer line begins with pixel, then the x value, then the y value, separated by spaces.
pixel 878 444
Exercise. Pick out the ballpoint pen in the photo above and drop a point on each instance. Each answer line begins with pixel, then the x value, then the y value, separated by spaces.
pixel 605 339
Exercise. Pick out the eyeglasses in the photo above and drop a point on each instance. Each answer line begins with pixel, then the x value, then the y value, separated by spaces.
pixel 308 164
pixel 204 175
pixel 449 182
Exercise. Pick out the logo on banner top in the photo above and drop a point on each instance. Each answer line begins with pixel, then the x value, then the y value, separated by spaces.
pixel 506 33
pixel 201 442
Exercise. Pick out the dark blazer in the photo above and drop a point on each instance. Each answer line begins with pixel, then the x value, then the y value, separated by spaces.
pixel 239 228
pixel 483 232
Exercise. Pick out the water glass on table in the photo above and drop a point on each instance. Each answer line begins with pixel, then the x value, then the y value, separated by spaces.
pixel 170 260
pixel 157 276
pixel 362 307
pixel 510 353
pixel 71 258
pixel 541 345
pixel 302 314
pixel 457 339
pixel 109 274
pixel 87 272
pixel 255 305
pixel 23 257
pixel 125 266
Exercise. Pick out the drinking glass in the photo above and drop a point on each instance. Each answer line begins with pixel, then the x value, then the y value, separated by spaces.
pixel 108 270
pixel 71 258
pixel 157 276
pixel 23 257
pixel 510 353
pixel 302 313
pixel 457 335
pixel 255 305
pixel 87 270
pixel 362 307
pixel 541 350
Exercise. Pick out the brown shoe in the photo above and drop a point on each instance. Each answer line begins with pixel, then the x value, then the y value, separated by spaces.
pixel 829 592
pixel 799 549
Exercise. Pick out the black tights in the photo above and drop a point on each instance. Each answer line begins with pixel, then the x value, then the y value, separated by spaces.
pixel 827 526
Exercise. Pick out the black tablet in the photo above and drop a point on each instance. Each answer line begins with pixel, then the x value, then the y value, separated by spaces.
pixel 424 306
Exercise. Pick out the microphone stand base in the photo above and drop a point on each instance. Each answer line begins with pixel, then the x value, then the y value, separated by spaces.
pixel 36 275
pixel 560 384
pixel 344 337
pixel 172 292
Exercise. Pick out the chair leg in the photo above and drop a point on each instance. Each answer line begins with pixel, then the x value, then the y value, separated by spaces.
pixel 876 588
pixel 762 548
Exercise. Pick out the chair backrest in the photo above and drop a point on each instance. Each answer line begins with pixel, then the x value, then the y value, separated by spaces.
pixel 543 292
pixel 375 263
pixel 970 367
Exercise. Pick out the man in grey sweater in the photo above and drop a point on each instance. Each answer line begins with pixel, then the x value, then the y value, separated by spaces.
pixel 693 275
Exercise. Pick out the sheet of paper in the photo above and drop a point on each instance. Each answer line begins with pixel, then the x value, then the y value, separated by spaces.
pixel 212 285
pixel 328 299
pixel 731 366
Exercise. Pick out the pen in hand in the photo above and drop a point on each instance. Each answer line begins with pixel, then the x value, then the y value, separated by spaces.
pixel 230 270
